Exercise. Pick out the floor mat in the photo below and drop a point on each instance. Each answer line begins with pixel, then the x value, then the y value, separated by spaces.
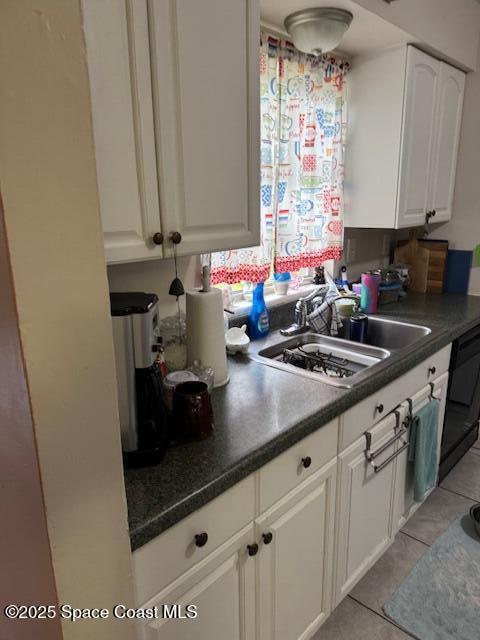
pixel 440 599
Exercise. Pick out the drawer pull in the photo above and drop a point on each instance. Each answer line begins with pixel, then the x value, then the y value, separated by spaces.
pixel 252 549
pixel 306 462
pixel 379 408
pixel 432 370
pixel 201 539
pixel 267 537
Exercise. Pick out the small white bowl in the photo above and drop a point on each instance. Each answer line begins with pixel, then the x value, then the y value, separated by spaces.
pixel 237 340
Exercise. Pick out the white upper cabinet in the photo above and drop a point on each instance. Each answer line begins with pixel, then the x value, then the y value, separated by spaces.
pixel 175 108
pixel 418 131
pixel 406 109
pixel 448 122
pixel 116 35
pixel 205 58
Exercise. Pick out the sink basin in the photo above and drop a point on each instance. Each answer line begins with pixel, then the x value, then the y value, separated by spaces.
pixel 344 360
pixel 393 335
pixel 383 337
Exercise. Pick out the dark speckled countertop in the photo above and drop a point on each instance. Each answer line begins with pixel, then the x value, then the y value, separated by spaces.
pixel 263 411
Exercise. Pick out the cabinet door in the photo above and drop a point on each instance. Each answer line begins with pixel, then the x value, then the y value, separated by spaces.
pixel 295 566
pixel 222 589
pixel 405 505
pixel 364 505
pixel 205 73
pixel 116 35
pixel 417 137
pixel 447 135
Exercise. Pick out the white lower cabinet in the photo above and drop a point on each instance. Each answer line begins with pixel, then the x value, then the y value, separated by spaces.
pixel 271 557
pixel 373 504
pixel 364 512
pixel 405 505
pixel 295 559
pixel 271 581
pixel 222 587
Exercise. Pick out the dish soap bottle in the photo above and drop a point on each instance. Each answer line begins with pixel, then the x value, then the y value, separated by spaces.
pixel 258 324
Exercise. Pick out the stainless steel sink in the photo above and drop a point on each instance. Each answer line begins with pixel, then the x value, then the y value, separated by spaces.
pixel 384 336
pixel 393 335
pixel 344 360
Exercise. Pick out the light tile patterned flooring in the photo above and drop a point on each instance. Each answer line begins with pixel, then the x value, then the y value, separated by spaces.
pixel 360 615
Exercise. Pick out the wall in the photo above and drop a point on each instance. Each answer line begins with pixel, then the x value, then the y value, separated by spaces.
pixel 372 248
pixel 365 249
pixel 449 28
pixel 463 231
pixel 53 228
pixel 24 545
pixel 154 276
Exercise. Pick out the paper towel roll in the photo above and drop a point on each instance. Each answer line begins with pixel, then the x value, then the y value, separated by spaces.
pixel 205 332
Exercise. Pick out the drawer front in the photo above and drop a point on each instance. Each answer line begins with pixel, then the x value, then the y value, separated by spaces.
pixel 435 365
pixel 285 472
pixel 371 410
pixel 166 557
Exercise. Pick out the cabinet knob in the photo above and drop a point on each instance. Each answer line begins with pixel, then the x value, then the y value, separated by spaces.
pixel 252 549
pixel 432 370
pixel 267 537
pixel 306 462
pixel 430 214
pixel 175 237
pixel 379 408
pixel 201 539
pixel 157 238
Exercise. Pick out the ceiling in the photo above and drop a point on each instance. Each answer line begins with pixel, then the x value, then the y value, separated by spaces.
pixel 368 32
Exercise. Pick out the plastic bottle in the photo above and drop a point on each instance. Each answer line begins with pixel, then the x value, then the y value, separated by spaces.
pixel 258 324
pixel 281 282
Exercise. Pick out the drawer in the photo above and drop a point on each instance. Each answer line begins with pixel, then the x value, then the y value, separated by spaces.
pixel 285 472
pixel 435 365
pixel 423 396
pixel 371 410
pixel 168 556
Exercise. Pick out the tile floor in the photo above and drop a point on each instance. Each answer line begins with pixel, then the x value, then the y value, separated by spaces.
pixel 360 615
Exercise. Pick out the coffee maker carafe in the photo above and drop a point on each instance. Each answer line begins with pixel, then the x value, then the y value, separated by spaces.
pixel 143 420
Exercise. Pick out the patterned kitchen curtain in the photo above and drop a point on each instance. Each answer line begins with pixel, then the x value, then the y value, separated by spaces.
pixel 303 122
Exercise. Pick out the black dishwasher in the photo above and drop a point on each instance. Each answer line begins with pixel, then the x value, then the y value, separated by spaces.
pixel 460 429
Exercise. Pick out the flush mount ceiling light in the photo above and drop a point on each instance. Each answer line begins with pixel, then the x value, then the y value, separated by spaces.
pixel 318 30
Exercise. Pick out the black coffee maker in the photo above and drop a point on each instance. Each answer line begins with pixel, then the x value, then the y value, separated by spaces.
pixel 143 420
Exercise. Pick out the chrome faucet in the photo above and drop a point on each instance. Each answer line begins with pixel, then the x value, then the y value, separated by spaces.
pixel 303 309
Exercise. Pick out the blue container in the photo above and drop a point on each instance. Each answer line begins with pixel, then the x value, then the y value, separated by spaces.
pixel 258 324
pixel 358 327
pixel 282 277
